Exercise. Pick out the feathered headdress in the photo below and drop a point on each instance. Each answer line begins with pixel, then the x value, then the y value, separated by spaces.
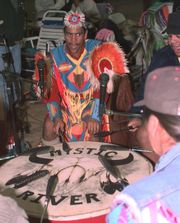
pixel 106 58
pixel 75 19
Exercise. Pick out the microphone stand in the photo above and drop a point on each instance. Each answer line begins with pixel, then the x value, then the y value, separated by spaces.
pixel 40 65
pixel 7 57
pixel 12 112
pixel 107 133
pixel 104 78
pixel 125 114
pixel 8 65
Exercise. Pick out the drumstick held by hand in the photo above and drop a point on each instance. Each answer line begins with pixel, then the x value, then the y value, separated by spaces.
pixel 61 135
pixel 134 124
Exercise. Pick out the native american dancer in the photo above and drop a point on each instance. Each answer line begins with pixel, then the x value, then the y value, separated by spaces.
pixel 74 93
pixel 78 102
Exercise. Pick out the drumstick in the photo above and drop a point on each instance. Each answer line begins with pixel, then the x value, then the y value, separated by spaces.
pixel 122 148
pixel 107 133
pixel 51 186
pixel 134 149
pixel 61 135
pixel 66 147
pixel 112 122
pixel 7 157
pixel 125 114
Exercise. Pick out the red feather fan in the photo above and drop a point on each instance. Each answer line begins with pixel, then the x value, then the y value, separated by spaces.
pixel 109 55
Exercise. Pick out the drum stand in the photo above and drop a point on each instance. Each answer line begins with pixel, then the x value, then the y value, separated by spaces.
pixel 18 146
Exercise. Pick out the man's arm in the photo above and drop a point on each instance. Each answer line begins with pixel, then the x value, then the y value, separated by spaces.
pixel 53 102
pixel 125 209
pixel 11 212
pixel 93 122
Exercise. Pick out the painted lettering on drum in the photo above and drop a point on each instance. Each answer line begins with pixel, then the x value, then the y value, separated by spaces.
pixel 81 175
pixel 75 199
pixel 78 151
pixel 38 198
pixel 52 153
pixel 89 198
pixel 25 195
pixel 87 151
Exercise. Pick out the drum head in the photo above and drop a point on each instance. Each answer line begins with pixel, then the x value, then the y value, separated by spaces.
pixel 81 190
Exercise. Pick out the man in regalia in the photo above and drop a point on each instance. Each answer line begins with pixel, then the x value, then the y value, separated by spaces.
pixel 72 105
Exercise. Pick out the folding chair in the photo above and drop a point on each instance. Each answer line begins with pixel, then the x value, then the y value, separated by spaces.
pixel 52 29
pixel 51 34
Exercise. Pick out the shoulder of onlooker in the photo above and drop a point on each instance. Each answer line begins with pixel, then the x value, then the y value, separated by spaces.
pixel 91 43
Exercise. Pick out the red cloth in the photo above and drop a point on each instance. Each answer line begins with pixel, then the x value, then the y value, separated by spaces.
pixel 99 219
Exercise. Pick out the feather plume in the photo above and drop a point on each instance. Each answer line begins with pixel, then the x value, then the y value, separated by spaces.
pixel 109 58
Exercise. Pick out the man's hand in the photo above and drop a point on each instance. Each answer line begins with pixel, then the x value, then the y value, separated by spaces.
pixel 135 123
pixel 59 125
pixel 93 126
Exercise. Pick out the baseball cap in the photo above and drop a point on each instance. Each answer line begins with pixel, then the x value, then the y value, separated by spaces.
pixel 162 91
pixel 173 24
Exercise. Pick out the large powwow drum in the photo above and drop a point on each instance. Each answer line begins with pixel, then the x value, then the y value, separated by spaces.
pixel 80 187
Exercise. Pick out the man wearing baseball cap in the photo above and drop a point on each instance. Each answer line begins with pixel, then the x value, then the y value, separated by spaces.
pixel 170 54
pixel 166 56
pixel 156 198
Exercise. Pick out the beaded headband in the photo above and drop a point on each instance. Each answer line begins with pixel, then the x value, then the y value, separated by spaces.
pixel 74 19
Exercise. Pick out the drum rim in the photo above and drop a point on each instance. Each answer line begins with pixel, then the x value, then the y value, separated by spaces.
pixel 76 216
